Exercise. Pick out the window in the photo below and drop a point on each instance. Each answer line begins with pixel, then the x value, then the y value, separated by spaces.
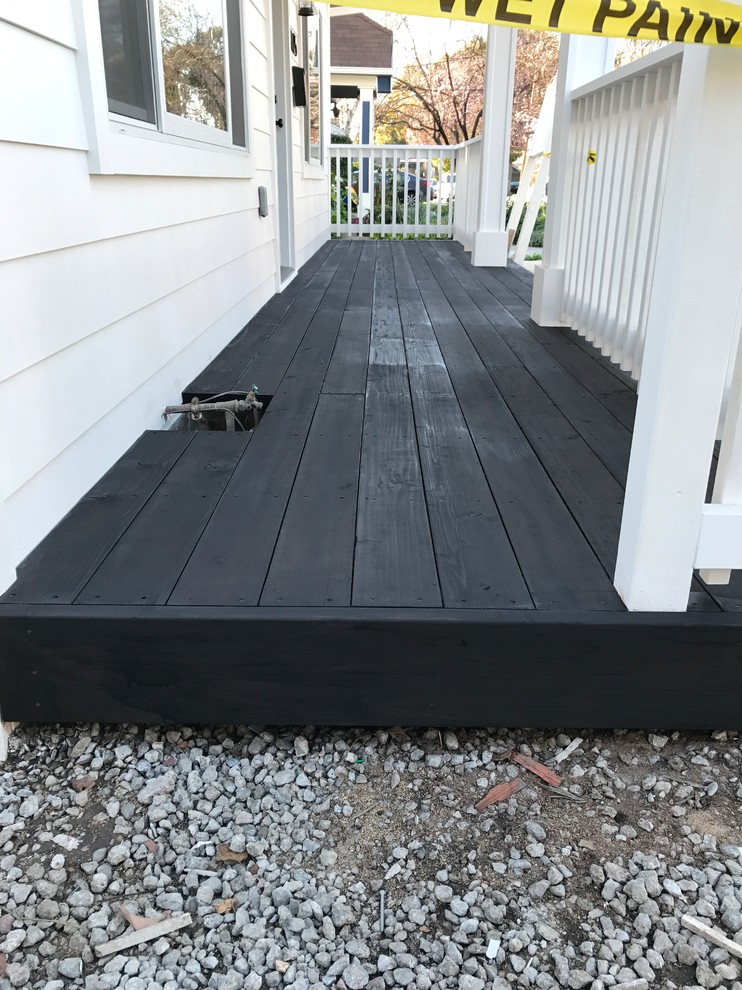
pixel 313 116
pixel 176 65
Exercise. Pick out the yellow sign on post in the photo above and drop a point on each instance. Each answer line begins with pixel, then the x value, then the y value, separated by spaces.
pixel 592 157
pixel 700 22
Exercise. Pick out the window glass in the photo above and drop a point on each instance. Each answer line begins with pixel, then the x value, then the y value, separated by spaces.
pixel 193 60
pixel 197 74
pixel 312 63
pixel 127 57
pixel 236 75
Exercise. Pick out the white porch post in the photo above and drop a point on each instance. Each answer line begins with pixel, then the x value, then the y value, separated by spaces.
pixel 581 59
pixel 367 137
pixel 490 245
pixel 690 331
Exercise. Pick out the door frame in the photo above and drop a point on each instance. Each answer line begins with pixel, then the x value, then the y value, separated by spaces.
pixel 283 170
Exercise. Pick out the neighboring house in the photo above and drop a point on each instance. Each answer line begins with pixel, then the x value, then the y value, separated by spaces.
pixel 133 247
pixel 360 55
pixel 361 67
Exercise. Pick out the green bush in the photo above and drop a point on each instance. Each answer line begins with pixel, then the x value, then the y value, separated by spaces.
pixel 394 209
pixel 537 236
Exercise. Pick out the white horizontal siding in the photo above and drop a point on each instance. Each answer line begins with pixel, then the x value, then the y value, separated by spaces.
pixel 117 289
pixel 41 96
pixel 38 217
pixel 129 273
pixel 35 508
pixel 83 382
pixel 48 18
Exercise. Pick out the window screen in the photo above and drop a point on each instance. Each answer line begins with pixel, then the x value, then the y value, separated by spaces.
pixel 127 57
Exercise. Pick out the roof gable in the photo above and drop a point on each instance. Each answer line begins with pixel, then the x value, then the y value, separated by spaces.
pixel 356 40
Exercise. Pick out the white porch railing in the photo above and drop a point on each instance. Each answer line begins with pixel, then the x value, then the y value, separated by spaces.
pixel 392 190
pixel 623 120
pixel 469 174
pixel 405 190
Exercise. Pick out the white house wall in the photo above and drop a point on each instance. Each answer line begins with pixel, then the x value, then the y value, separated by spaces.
pixel 116 289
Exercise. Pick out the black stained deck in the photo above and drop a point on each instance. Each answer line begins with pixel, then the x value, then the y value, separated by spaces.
pixel 422 529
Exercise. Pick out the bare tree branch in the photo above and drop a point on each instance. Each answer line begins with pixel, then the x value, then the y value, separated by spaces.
pixel 441 100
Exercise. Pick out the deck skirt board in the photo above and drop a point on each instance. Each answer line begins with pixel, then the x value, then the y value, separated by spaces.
pixel 421 530
pixel 373 667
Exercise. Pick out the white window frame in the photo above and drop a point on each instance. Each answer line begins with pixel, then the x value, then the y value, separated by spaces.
pixel 314 167
pixel 172 123
pixel 125 146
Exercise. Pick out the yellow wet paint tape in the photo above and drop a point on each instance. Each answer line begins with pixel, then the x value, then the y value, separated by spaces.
pixel 711 22
pixel 592 157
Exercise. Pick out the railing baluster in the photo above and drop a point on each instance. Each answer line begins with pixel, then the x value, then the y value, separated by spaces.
pixel 338 194
pixel 669 82
pixel 614 205
pixel 350 193
pixel 418 195
pixel 606 148
pixel 453 173
pixel 395 166
pixel 577 205
pixel 428 178
pixel 638 269
pixel 604 326
pixel 630 210
pixel 591 216
pixel 384 224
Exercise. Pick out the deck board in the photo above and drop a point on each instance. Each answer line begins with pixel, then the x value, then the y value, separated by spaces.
pixel 270 364
pixel 560 567
pixel 230 563
pixel 422 529
pixel 349 362
pixel 598 380
pixel 610 440
pixel 233 361
pixel 477 566
pixel 313 559
pixel 58 569
pixel 394 561
pixel 172 520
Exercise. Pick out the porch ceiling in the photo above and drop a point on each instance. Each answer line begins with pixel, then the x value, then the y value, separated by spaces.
pixel 435 474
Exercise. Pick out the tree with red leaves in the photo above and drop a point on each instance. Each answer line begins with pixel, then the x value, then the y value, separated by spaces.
pixel 441 101
pixel 438 102
pixel 536 56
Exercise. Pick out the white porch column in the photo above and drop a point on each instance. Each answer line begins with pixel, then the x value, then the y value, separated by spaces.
pixel 367 137
pixel 690 331
pixel 581 59
pixel 490 245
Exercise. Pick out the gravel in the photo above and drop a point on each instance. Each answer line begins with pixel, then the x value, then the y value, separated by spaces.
pixel 582 888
